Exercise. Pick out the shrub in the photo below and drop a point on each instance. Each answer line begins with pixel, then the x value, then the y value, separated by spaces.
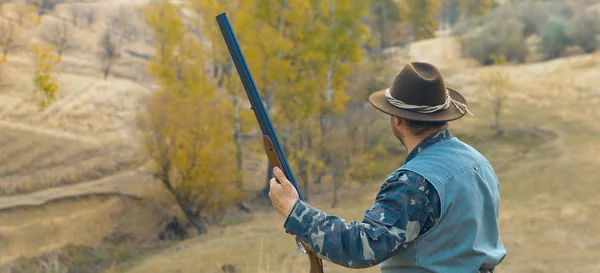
pixel 582 31
pixel 554 39
pixel 498 37
pixel 533 15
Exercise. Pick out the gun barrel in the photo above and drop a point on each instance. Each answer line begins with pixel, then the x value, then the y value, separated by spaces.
pixel 255 100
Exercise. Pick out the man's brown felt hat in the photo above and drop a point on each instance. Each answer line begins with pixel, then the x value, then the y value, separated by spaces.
pixel 419 84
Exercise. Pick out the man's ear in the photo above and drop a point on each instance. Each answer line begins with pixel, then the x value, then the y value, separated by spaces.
pixel 397 121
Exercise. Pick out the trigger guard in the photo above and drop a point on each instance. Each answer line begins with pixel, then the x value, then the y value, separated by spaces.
pixel 299 244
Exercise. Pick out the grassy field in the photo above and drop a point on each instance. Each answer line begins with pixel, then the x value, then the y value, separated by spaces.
pixel 547 163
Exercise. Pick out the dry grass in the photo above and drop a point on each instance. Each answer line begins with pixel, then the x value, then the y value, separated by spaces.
pixel 32 162
pixel 41 230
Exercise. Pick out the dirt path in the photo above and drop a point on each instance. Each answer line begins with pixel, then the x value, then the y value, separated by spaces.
pixel 130 183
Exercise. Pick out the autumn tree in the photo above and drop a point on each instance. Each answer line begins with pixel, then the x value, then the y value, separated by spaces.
pixel 337 41
pixel 109 52
pixel 497 84
pixel 187 124
pixel 385 21
pixel 59 34
pixel 7 40
pixel 475 8
pixel 300 54
pixel 45 82
pixel 221 71
pixel 422 17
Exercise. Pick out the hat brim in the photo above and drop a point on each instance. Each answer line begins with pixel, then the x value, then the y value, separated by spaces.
pixel 380 102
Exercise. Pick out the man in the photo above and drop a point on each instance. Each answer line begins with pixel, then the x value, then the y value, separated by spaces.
pixel 437 213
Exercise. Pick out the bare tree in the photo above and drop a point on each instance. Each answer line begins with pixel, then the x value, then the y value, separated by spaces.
pixel 109 52
pixel 7 37
pixel 89 17
pixel 121 23
pixel 60 36
pixel 76 13
pixel 21 14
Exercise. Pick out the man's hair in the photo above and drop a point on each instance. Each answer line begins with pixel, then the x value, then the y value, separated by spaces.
pixel 418 128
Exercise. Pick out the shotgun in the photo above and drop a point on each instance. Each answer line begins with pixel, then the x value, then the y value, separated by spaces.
pixel 271 142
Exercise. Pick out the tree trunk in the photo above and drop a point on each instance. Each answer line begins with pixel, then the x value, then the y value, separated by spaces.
pixel 383 32
pixel 193 218
pixel 305 183
pixel 335 187
pixel 238 142
pixel 264 193
pixel 106 72
pixel 498 107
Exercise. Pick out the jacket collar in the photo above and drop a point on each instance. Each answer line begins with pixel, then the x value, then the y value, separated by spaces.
pixel 428 141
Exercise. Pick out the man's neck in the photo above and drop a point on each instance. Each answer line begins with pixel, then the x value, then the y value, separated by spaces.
pixel 412 141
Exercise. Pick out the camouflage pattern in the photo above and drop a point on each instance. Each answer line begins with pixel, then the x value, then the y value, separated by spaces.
pixel 406 206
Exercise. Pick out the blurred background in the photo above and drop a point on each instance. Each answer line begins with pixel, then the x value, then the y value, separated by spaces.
pixel 127 143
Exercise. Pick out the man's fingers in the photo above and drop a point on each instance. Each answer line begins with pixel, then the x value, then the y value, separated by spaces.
pixel 280 175
pixel 273 182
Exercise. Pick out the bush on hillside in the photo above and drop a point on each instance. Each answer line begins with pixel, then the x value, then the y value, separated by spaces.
pixel 554 39
pixel 583 30
pixel 533 14
pixel 500 38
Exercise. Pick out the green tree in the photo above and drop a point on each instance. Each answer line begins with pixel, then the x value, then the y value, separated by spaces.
pixel 422 17
pixel 497 37
pixel 583 31
pixel 554 39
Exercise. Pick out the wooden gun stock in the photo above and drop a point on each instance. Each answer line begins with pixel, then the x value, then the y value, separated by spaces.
pixel 316 264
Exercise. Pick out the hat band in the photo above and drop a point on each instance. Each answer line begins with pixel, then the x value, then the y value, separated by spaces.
pixel 427 109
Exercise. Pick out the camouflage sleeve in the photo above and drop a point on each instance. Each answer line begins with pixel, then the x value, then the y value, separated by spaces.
pixel 406 206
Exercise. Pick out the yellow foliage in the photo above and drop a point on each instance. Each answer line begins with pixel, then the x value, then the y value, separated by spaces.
pixel 422 16
pixel 190 142
pixel 189 132
pixel 497 85
pixel 475 8
pixel 34 16
pixel 45 61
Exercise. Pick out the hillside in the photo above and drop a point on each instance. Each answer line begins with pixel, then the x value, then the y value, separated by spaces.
pixel 69 171
pixel 546 163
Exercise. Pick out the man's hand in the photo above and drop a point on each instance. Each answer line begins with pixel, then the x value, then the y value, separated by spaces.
pixel 284 195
